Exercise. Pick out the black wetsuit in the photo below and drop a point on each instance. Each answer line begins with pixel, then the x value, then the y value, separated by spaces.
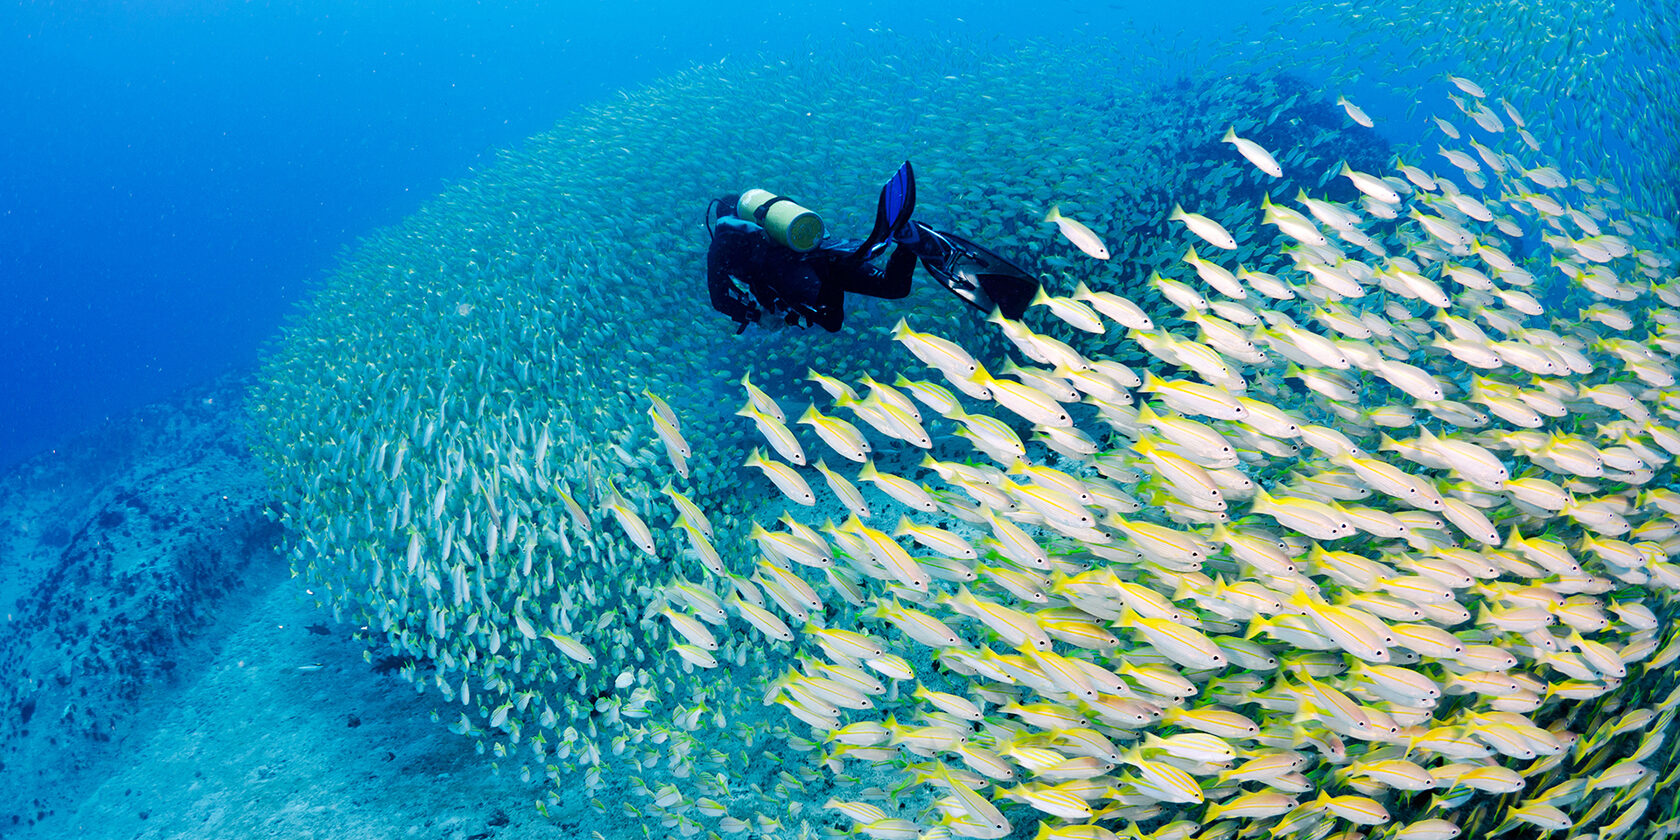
pixel 810 285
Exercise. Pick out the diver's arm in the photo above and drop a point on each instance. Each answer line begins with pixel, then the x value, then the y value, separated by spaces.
pixel 830 310
pixel 724 295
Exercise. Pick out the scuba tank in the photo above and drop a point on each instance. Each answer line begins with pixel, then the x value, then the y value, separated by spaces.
pixel 786 222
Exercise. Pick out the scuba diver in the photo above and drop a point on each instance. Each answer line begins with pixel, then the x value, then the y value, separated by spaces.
pixel 771 256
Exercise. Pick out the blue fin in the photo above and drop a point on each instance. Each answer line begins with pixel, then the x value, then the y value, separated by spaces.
pixel 892 214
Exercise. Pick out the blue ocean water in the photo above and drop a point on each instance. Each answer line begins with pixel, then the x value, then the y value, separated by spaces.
pixel 172 174
pixel 178 175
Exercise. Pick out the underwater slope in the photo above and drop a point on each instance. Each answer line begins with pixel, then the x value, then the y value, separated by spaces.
pixel 126 546
pixel 286 732
pixel 1415 576
pixel 166 677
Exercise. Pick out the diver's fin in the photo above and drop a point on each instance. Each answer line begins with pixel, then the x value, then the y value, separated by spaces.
pixel 982 278
pixel 892 213
pixel 1012 291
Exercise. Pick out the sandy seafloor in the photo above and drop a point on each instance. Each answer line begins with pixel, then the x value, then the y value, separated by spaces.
pixel 155 636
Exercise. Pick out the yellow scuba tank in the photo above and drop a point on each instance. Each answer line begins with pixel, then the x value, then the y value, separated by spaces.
pixel 785 221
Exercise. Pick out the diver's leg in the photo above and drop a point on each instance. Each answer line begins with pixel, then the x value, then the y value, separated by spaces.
pixel 866 279
pixel 901 266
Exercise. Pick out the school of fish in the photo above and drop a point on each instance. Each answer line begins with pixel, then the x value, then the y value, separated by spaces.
pixel 1597 78
pixel 1345 511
